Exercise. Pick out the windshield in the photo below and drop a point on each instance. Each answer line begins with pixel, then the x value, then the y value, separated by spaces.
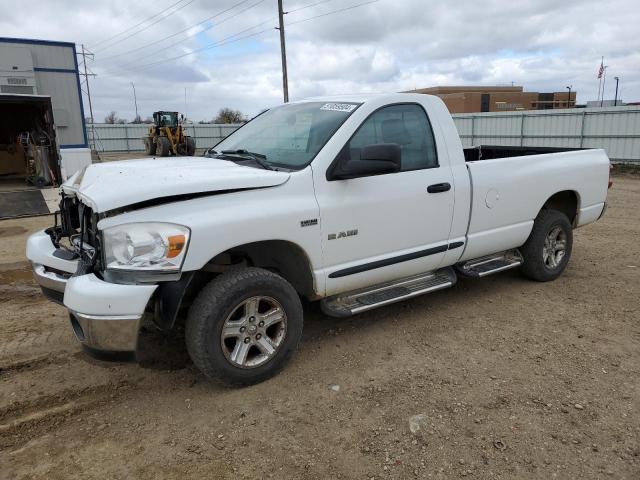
pixel 291 135
pixel 167 119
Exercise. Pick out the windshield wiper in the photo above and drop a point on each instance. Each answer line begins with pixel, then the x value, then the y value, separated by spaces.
pixel 256 157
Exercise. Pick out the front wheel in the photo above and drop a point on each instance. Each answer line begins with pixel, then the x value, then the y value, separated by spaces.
pixel 244 326
pixel 191 146
pixel 547 251
pixel 163 147
pixel 149 146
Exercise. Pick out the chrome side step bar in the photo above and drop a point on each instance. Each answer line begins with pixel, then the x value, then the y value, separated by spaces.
pixel 358 301
pixel 483 266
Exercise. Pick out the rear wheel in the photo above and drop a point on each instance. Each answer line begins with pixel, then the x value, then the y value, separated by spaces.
pixel 162 146
pixel 149 146
pixel 244 326
pixel 547 251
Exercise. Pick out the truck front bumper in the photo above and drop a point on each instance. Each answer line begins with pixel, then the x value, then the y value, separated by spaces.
pixel 104 316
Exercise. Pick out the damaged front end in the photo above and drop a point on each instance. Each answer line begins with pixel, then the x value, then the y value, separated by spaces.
pixel 75 234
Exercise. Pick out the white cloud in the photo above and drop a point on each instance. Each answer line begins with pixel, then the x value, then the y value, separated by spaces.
pixel 390 45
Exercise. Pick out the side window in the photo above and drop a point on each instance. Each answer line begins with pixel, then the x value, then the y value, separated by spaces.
pixel 406 125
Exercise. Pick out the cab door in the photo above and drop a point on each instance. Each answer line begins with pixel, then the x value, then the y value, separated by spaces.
pixel 382 227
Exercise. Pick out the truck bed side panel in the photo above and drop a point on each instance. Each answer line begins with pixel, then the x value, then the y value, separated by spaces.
pixel 508 193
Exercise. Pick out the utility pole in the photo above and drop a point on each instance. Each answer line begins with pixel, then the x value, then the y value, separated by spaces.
pixel 283 51
pixel 569 96
pixel 615 101
pixel 135 100
pixel 85 54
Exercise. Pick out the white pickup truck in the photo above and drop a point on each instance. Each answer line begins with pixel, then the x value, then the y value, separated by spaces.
pixel 355 201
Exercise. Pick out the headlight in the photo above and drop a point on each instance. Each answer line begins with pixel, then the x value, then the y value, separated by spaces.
pixel 145 246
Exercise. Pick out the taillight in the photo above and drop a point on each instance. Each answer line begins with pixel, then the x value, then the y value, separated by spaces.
pixel 610 181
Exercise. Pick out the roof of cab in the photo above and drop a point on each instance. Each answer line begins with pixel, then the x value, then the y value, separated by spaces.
pixel 359 97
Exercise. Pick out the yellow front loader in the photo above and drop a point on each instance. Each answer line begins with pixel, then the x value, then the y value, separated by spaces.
pixel 166 137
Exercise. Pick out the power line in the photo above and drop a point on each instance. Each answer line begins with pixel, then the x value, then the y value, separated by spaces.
pixel 147 26
pixel 332 12
pixel 181 31
pixel 224 41
pixel 137 24
pixel 212 26
pixel 307 6
pixel 231 39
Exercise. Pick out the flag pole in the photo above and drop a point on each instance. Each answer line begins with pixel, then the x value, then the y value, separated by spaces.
pixel 604 80
pixel 600 77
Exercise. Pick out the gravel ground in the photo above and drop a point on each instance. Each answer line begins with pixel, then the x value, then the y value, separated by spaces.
pixel 500 377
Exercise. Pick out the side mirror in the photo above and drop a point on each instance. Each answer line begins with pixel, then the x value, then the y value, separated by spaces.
pixel 374 160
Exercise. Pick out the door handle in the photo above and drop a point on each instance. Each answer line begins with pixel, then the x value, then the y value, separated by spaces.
pixel 439 187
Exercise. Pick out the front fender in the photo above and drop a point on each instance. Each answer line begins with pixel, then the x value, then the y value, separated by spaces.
pixel 285 213
pixel 169 298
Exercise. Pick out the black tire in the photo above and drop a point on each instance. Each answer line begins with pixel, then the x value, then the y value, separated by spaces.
pixel 535 252
pixel 191 146
pixel 162 146
pixel 181 148
pixel 149 146
pixel 219 300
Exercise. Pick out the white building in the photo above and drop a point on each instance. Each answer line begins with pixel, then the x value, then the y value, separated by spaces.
pixel 41 117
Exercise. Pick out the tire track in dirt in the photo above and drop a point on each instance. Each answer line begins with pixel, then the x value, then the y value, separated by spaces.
pixel 51 342
pixel 23 421
pixel 30 364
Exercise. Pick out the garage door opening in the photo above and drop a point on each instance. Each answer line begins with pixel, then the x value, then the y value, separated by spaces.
pixel 28 150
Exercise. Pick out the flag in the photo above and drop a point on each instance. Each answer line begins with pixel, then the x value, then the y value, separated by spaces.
pixel 601 69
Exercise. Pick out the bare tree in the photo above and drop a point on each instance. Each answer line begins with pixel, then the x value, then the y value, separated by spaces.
pixel 228 115
pixel 138 119
pixel 111 118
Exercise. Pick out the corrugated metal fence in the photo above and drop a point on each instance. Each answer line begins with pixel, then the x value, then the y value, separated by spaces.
pixel 616 129
pixel 128 137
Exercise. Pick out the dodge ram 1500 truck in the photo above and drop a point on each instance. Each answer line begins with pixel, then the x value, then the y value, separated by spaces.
pixel 354 201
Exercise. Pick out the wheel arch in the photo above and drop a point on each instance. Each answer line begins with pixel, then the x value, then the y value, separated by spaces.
pixel 567 202
pixel 283 257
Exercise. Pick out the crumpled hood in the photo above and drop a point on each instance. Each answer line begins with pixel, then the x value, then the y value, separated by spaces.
pixel 106 186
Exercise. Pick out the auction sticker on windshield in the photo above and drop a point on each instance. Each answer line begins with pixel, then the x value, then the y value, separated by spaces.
pixel 339 107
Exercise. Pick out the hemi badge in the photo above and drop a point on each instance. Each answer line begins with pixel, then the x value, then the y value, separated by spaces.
pixel 309 223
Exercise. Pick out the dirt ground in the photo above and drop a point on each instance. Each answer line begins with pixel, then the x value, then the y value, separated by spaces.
pixel 513 379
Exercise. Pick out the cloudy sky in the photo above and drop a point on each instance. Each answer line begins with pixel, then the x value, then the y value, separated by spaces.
pixel 226 53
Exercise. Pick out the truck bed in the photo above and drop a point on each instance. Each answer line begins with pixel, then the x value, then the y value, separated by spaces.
pixel 508 192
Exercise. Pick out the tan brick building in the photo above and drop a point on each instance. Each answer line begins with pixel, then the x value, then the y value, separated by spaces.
pixel 498 99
